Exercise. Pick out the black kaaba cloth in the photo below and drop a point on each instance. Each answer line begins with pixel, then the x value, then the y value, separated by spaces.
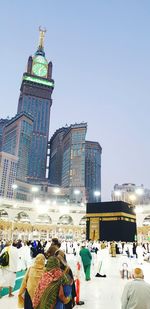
pixel 110 221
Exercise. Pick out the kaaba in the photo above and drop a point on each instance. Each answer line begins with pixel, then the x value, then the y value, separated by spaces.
pixel 110 221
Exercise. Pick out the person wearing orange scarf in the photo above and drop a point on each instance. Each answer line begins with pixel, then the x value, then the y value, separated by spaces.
pixel 30 282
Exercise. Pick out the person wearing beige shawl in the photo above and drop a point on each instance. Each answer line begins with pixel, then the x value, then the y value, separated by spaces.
pixel 30 282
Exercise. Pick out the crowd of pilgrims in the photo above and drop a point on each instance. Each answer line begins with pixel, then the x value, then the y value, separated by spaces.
pixel 49 281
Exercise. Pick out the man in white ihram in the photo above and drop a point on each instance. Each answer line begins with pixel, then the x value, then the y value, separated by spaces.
pixel 136 294
pixel 8 273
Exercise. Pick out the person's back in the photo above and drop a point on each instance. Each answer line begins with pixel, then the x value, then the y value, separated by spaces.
pixel 50 286
pixel 136 294
pixel 30 282
pixel 85 256
pixel 55 245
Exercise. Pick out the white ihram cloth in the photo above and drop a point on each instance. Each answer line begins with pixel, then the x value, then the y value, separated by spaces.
pixel 102 256
pixel 8 273
pixel 25 260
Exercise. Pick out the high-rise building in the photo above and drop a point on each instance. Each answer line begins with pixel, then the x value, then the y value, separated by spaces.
pixel 76 163
pixel 93 152
pixel 17 136
pixel 73 169
pixel 67 159
pixel 35 99
pixel 8 171
pixel 56 156
pixel 3 122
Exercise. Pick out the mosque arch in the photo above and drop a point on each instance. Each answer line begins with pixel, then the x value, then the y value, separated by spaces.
pixel 65 220
pixel 3 214
pixel 22 217
pixel 83 221
pixel 43 219
pixel 146 221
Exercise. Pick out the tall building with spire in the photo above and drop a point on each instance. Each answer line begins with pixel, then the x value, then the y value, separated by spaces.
pixel 35 99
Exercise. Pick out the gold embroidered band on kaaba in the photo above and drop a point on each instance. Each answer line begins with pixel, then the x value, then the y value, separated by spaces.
pixel 112 216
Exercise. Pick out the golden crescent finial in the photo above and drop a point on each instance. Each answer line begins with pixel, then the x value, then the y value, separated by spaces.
pixel 42 36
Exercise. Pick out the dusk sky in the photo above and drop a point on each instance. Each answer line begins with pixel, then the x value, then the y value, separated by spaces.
pixel 100 51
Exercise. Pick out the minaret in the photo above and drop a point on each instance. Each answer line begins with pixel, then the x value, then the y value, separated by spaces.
pixel 35 98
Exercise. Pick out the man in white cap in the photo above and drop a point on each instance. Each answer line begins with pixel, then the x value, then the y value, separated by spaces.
pixel 136 294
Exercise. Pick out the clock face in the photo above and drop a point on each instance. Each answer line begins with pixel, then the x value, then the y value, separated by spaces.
pixel 39 69
pixel 40 59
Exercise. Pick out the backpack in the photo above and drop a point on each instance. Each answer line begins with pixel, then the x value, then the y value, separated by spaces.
pixel 4 259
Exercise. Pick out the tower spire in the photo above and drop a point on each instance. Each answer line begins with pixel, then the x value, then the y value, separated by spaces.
pixel 41 37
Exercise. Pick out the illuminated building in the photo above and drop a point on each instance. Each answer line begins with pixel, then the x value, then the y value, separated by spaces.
pixel 3 122
pixel 35 99
pixel 8 171
pixel 56 156
pixel 131 193
pixel 17 136
pixel 93 152
pixel 67 160
pixel 75 163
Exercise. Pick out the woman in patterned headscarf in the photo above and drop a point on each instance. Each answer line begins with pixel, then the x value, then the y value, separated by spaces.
pixel 50 286
pixel 67 270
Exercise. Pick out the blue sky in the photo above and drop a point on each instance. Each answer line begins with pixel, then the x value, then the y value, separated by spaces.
pixel 101 66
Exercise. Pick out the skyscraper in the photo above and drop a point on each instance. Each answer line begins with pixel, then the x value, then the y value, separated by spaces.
pixel 8 171
pixel 17 136
pixel 3 122
pixel 67 159
pixel 56 156
pixel 76 163
pixel 35 99
pixel 93 152
pixel 73 169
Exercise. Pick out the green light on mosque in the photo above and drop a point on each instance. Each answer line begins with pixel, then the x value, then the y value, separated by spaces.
pixel 38 81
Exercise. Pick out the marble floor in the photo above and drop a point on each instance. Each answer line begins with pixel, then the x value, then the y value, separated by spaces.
pixel 104 293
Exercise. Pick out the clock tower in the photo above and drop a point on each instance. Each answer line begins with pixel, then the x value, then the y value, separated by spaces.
pixel 35 99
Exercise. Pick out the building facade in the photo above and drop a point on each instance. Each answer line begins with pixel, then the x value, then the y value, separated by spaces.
pixel 35 99
pixel 17 136
pixel 8 172
pixel 76 163
pixel 93 152
pixel 3 122
pixel 56 156
pixel 27 221
pixel 73 167
pixel 131 193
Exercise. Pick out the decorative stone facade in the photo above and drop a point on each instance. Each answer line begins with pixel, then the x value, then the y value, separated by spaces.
pixel 30 221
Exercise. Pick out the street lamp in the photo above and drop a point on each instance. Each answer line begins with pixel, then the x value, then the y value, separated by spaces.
pixel 77 193
pixel 132 198
pixel 34 190
pixel 97 195
pixel 117 193
pixel 56 191
pixel 14 187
